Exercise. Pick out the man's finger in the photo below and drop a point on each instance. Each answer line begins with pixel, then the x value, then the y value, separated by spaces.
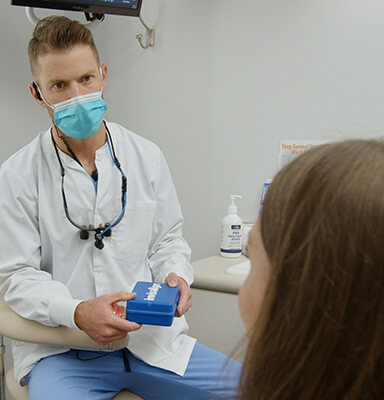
pixel 185 303
pixel 113 338
pixel 119 296
pixel 172 279
pixel 183 308
pixel 124 325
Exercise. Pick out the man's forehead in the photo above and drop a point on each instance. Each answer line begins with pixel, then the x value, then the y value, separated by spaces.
pixel 66 64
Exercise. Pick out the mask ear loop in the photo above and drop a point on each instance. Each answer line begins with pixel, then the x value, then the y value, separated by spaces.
pixel 39 94
pixel 37 91
pixel 101 75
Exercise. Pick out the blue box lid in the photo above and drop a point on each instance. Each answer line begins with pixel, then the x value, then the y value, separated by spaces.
pixel 154 297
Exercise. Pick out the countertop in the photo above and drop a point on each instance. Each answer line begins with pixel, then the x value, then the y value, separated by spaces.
pixel 210 274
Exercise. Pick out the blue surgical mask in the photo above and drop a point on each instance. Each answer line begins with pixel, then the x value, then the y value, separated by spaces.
pixel 79 117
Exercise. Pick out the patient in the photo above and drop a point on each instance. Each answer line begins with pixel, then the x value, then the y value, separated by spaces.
pixel 313 304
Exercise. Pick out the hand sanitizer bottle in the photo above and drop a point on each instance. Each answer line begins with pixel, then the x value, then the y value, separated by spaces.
pixel 231 230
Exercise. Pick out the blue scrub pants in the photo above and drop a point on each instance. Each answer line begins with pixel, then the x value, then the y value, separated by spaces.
pixel 79 374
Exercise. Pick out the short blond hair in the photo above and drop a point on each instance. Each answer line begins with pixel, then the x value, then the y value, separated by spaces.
pixel 58 33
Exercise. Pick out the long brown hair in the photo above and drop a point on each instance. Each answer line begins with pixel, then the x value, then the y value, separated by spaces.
pixel 320 334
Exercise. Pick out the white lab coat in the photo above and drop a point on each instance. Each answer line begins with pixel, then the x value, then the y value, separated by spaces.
pixel 46 270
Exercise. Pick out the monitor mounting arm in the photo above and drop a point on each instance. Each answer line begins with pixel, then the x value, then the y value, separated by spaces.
pixel 94 19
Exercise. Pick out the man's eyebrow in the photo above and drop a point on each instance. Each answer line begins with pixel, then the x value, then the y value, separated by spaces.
pixel 54 80
pixel 90 72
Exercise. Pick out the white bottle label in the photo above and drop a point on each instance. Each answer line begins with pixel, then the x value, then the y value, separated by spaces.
pixel 231 239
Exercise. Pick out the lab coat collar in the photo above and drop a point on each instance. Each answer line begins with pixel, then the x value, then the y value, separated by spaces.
pixel 67 159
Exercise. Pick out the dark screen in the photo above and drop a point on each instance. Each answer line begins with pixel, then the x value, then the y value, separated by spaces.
pixel 120 3
pixel 123 7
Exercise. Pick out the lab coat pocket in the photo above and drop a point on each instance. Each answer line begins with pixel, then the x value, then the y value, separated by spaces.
pixel 131 237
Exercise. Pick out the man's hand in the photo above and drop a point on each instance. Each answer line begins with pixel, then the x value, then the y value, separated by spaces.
pixel 97 319
pixel 185 301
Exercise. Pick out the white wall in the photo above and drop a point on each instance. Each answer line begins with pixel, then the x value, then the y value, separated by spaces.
pixel 226 80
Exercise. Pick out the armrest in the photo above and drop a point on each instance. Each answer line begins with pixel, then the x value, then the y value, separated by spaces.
pixel 24 330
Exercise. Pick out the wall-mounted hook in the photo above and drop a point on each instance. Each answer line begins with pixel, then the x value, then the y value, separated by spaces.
pixel 34 20
pixel 150 36
pixel 31 15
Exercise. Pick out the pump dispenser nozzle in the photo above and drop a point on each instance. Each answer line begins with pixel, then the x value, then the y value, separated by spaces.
pixel 232 209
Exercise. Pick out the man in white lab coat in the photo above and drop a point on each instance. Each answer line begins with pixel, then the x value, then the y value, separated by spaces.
pixel 88 208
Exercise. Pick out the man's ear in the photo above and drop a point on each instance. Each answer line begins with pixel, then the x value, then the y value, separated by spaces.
pixel 104 70
pixel 34 90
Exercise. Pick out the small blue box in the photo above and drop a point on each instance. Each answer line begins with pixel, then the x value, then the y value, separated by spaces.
pixel 154 304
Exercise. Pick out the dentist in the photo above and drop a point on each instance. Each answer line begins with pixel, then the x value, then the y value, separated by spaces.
pixel 88 208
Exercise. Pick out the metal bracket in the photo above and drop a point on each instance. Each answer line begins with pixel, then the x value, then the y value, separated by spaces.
pixel 150 36
pixel 94 20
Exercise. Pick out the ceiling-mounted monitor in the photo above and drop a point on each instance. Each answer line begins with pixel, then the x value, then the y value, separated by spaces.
pixel 120 7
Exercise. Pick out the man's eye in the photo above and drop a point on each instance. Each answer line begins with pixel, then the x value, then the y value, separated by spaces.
pixel 58 85
pixel 87 78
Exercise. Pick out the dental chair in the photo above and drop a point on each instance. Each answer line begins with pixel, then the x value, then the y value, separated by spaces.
pixel 15 327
